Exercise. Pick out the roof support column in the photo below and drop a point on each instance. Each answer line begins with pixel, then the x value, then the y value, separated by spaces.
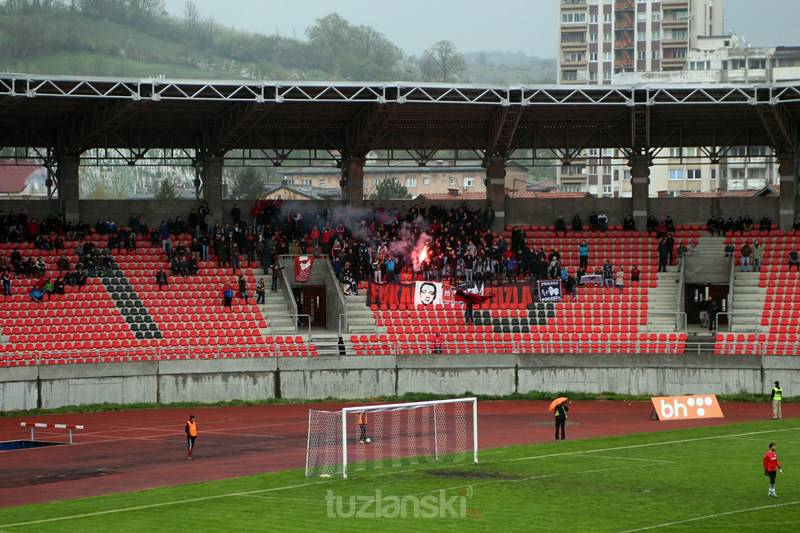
pixel 787 170
pixel 640 188
pixel 353 180
pixel 68 172
pixel 212 186
pixel 496 190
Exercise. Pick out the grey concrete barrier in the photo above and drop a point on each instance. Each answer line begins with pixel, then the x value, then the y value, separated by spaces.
pixel 447 374
pixel 337 377
pixel 353 377
pixel 199 380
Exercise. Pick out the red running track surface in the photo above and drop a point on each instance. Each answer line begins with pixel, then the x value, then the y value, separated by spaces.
pixel 134 450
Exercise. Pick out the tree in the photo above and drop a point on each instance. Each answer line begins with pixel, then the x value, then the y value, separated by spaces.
pixel 390 189
pixel 191 15
pixel 248 184
pixel 166 191
pixel 442 62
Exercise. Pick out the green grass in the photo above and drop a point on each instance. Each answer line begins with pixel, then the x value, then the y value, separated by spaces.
pixel 710 476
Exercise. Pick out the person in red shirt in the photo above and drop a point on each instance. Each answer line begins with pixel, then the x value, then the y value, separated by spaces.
pixel 771 468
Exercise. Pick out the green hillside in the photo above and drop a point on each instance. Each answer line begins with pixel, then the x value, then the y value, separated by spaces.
pixel 137 38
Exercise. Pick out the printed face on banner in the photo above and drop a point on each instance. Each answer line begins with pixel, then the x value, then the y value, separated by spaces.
pixel 427 293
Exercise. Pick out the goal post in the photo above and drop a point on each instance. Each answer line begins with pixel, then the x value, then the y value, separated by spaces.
pixel 379 436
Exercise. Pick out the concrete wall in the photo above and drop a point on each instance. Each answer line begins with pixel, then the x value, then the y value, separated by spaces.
pixel 480 374
pixel 364 377
pixel 18 388
pixel 337 377
pixel 640 374
pixel 91 384
pixel 219 380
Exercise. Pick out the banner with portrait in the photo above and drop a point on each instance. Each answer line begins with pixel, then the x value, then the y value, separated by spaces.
pixel 428 293
pixel 303 266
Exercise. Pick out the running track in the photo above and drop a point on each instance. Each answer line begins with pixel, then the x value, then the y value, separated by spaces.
pixel 135 450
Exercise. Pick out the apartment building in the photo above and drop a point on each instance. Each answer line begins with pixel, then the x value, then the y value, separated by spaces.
pixel 600 39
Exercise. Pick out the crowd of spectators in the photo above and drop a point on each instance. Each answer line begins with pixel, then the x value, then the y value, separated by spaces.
pixel 717 225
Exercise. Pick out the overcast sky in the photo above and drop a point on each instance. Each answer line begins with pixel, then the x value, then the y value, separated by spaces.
pixel 528 26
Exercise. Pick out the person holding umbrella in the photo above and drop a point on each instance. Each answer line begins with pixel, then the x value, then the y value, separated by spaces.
pixel 559 407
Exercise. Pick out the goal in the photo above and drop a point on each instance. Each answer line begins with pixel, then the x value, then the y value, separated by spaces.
pixel 382 436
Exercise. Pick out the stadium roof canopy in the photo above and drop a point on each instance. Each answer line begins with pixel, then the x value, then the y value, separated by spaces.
pixel 75 114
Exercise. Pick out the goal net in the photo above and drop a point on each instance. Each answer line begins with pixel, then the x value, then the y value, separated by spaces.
pixel 382 436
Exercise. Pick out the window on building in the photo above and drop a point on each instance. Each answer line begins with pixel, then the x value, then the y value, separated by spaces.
pixel 676 174
pixel 607 36
pixel 469 182
pixel 569 75
pixel 573 17
pixel 675 152
pixel 593 38
pixel 736 173
pixel 679 53
pixel 680 35
pixel 656 53
pixel 641 36
pixel 642 54
pixel 713 173
pixel 306 181
pixel 606 56
pixel 426 180
pixel 607 170
pixel 571 187
pixel 452 181
pixel 656 16
pixel 607 190
pixel 572 170
pixel 641 16
pixel 593 75
pixel 411 181
pixel 593 18
pixel 626 175
pixel 593 57
pixel 757 173
pixel 757 64
pixel 606 17
pixel 656 35
pixel 738 64
pixel 573 56
pixel 694 174
pixel 606 75
pixel 593 169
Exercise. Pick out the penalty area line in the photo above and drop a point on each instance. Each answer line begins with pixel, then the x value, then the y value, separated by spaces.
pixel 159 504
pixel 709 516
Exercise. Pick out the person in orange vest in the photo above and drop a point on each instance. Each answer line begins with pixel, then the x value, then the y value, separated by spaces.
pixel 191 435
pixel 363 420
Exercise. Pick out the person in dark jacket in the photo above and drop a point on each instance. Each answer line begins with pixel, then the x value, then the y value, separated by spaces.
pixel 561 419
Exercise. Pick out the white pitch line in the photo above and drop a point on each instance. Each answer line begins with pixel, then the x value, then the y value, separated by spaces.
pixel 645 445
pixel 289 487
pixel 715 515
pixel 160 504
pixel 620 458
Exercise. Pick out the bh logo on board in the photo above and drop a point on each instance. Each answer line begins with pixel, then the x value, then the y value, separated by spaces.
pixel 687 407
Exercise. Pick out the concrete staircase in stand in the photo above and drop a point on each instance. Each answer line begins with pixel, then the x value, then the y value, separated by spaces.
pixel 360 320
pixel 710 246
pixel 275 310
pixel 748 302
pixel 662 303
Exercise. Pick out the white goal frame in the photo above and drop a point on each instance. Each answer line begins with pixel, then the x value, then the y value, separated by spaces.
pixel 399 406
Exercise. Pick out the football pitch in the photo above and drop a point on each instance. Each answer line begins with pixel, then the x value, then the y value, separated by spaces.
pixel 706 479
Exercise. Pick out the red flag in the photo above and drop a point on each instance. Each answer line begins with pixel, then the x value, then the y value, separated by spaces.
pixel 471 297
pixel 303 265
